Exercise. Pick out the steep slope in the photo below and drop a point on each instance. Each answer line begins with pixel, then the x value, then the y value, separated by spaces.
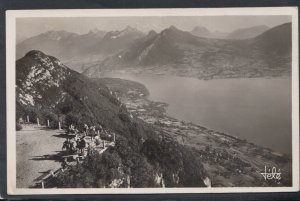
pixel 246 33
pixel 277 40
pixel 176 52
pixel 160 48
pixel 166 47
pixel 45 84
pixel 49 90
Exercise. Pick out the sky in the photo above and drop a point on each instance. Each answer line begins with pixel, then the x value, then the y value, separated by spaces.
pixel 28 27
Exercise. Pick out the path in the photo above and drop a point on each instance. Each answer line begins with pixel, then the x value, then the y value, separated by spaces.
pixel 38 150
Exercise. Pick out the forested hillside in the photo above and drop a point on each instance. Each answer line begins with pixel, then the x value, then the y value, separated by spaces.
pixel 48 89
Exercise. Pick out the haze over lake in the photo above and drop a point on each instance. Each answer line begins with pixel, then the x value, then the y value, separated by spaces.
pixel 256 109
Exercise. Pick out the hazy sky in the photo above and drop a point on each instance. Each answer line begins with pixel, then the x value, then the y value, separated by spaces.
pixel 27 27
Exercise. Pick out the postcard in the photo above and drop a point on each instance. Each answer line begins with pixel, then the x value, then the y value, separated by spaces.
pixel 143 101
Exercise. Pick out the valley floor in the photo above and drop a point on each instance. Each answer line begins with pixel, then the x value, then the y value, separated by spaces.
pixel 38 152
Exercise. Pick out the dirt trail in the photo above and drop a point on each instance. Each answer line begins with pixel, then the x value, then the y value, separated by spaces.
pixel 37 153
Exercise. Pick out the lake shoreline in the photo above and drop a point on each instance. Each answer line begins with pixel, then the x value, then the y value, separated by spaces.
pixel 229 161
pixel 256 109
pixel 158 72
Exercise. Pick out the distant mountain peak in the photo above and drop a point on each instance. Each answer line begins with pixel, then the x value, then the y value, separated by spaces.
pixel 152 33
pixel 173 28
pixel 249 32
pixel 130 29
pixel 56 32
pixel 94 31
pixel 58 35
pixel 200 29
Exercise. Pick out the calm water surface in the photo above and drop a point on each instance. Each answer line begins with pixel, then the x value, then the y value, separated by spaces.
pixel 256 109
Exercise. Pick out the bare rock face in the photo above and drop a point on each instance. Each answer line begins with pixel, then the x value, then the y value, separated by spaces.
pixel 39 77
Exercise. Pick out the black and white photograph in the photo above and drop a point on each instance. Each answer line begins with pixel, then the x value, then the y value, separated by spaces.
pixel 156 100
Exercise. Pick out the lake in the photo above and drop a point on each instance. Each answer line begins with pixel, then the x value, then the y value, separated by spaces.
pixel 255 109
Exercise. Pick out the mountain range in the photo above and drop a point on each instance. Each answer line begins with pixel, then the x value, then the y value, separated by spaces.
pixel 115 41
pixel 251 52
pixel 238 34
pixel 77 50
pixel 180 53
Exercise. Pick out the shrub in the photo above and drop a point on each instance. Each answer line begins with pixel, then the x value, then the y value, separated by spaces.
pixel 124 117
pixel 32 112
pixel 166 152
pixel 73 119
pixel 48 115
pixel 18 127
pixel 193 172
pixel 142 173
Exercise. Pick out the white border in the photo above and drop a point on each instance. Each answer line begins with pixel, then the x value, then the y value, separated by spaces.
pixel 11 16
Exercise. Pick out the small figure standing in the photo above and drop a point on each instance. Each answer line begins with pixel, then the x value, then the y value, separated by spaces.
pixel 97 140
pixel 71 129
pixel 86 129
pixel 73 146
pixel 92 132
pixel 66 145
pixel 82 144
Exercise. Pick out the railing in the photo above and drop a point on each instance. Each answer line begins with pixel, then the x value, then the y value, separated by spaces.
pixel 46 180
pixel 21 121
